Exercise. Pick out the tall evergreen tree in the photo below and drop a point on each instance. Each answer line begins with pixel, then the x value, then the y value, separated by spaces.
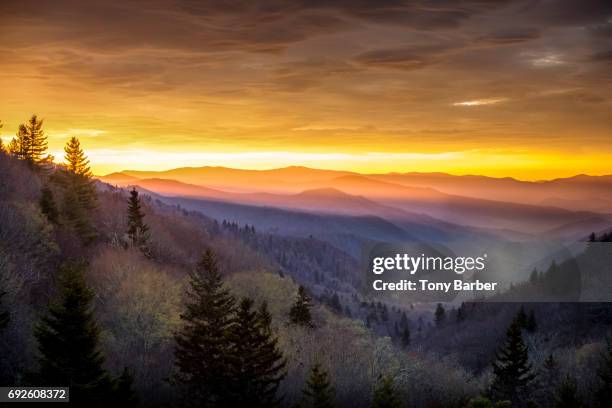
pixel 37 139
pixel 79 198
pixel 13 147
pixel 319 392
pixel 18 146
pixel 76 160
pixel 440 315
pixel 202 354
pixel 257 363
pixel 68 338
pixel 138 231
pixel 405 337
pixel 403 320
pixel 299 314
pixel 385 394
pixel 604 393
pixel 512 371
pixel 80 179
pixel 31 143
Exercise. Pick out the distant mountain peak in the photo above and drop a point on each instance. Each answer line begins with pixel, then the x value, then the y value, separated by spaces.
pixel 324 191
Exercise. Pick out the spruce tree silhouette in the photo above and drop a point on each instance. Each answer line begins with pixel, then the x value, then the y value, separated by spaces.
pixel 318 392
pixel 138 231
pixel 80 198
pixel 405 337
pixel 30 143
pixel 75 158
pixel 68 342
pixel 512 371
pixel 385 394
pixel 440 315
pixel 202 353
pixel 257 362
pixel 299 314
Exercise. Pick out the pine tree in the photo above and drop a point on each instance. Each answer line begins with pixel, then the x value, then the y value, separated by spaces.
pixel 79 193
pixel 567 394
pixel 13 147
pixel 318 392
pixel 31 143
pixel 123 394
pixel 81 179
pixel 257 363
pixel 68 338
pixel 385 394
pixel 47 205
pixel 18 146
pixel 604 393
pixel 299 314
pixel 512 371
pixel 404 320
pixel 202 353
pixel 138 231
pixel 440 315
pixel 37 141
pixel 405 337
pixel 5 317
pixel 76 161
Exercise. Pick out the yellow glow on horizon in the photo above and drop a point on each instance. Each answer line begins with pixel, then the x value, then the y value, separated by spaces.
pixel 520 165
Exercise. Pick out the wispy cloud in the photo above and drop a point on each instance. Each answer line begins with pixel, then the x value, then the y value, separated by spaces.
pixel 551 60
pixel 543 59
pixel 480 102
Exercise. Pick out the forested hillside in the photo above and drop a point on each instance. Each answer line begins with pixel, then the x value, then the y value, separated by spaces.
pixel 134 301
pixel 128 259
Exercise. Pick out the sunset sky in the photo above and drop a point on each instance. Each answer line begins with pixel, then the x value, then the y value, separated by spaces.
pixel 499 88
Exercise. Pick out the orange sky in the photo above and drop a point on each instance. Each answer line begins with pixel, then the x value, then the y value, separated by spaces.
pixel 498 88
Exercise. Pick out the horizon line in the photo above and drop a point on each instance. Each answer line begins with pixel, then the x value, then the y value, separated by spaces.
pixel 348 172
